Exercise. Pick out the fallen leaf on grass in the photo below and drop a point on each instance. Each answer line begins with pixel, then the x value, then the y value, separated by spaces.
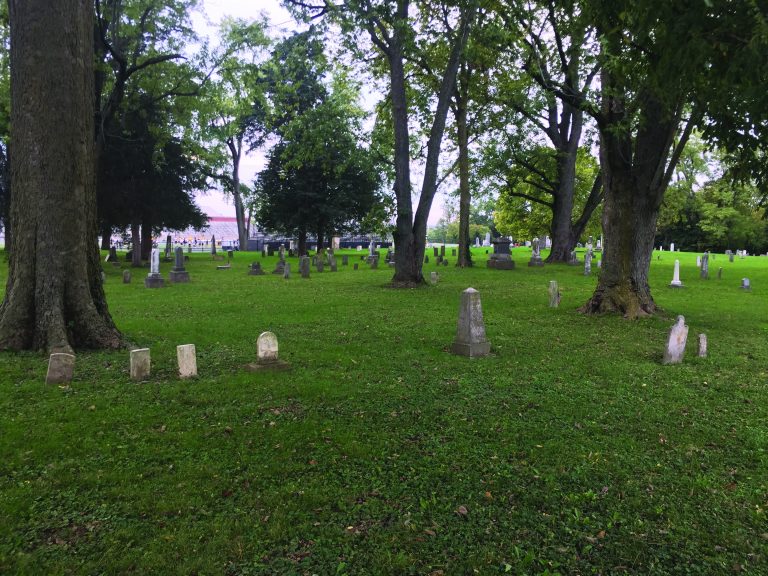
pixel 462 511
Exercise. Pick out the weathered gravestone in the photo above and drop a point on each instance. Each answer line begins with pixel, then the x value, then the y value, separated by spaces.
pixel 501 259
pixel 375 262
pixel 255 269
pixel 470 331
pixel 113 256
pixel 319 266
pixel 178 273
pixel 730 257
pixel 126 276
pixel 154 279
pixel 267 353
pixel 287 271
pixel 678 335
pixel 676 283
pixel 433 277
pixel 344 260
pixel 334 267
pixel 745 284
pixel 435 252
pixel 535 254
pixel 554 294
pixel 705 266
pixel 588 262
pixel 702 345
pixel 442 250
pixel 573 260
pixel 698 261
pixel 477 241
pixel 61 368
pixel 187 358
pixel 304 266
pixel 213 245
pixel 140 364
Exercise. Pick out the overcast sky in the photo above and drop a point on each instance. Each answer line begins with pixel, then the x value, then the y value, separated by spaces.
pixel 213 203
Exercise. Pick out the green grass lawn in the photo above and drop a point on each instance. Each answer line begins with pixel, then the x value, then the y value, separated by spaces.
pixel 570 450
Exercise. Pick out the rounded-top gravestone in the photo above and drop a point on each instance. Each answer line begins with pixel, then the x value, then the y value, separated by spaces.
pixel 266 347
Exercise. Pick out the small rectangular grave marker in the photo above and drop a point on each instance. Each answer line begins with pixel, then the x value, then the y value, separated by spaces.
pixel 470 331
pixel 554 294
pixel 678 335
pixel 702 345
pixel 187 359
pixel 140 364
pixel 61 368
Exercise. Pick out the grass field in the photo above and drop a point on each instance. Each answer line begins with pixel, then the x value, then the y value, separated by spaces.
pixel 570 450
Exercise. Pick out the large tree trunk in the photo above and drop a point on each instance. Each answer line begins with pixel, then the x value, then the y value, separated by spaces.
pixel 106 237
pixel 302 247
pixel 54 297
pixel 146 239
pixel 629 225
pixel 563 238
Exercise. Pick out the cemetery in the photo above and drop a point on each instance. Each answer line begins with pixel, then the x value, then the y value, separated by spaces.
pixel 373 432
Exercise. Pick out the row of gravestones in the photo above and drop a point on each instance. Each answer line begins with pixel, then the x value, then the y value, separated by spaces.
pixel 703 263
pixel 471 339
pixel 61 366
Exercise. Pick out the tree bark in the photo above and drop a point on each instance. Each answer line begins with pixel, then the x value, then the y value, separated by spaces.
pixel 302 247
pixel 136 245
pixel 235 149
pixel 146 239
pixel 54 296
pixel 462 96
pixel 106 237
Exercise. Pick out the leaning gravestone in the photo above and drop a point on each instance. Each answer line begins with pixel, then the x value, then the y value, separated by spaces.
pixel 705 266
pixel 140 364
pixel 554 294
pixel 678 335
pixel 61 368
pixel 178 273
pixel 470 331
pixel 154 279
pixel 187 359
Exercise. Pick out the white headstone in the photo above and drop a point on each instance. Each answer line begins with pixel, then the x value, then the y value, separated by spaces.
pixel 676 276
pixel 745 284
pixel 487 241
pixel 678 335
pixel 140 364
pixel 698 261
pixel 433 277
pixel 266 347
pixel 702 345
pixel 187 358
pixel 672 247
pixel 154 267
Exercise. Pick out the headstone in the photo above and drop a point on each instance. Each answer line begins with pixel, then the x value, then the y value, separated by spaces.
pixel 442 250
pixel 672 247
pixel 140 364
pixel 374 263
pixel 535 254
pixel 676 283
pixel 470 332
pixel 702 345
pixel 501 259
pixel 213 245
pixel 279 267
pixel 433 277
pixel 178 273
pixel 154 279
pixel 678 334
pixel 113 256
pixel 573 259
pixel 187 359
pixel 359 248
pixel 168 248
pixel 319 264
pixel 487 241
pixel 730 257
pixel 745 284
pixel 705 266
pixel 263 253
pixel 61 368
pixel 547 242
pixel 742 254
pixel 698 261
pixel 281 252
pixel 230 254
pixel 287 271
pixel 588 262
pixel 371 248
pixel 304 266
pixel 426 259
pixel 355 266
pixel 255 269
pixel 554 294
pixel 344 260
pixel 126 276
pixel 435 252
pixel 334 268
pixel 590 243
pixel 477 241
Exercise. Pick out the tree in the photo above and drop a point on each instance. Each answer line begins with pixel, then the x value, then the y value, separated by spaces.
pixel 318 178
pixel 392 29
pixel 54 297
pixel 234 107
